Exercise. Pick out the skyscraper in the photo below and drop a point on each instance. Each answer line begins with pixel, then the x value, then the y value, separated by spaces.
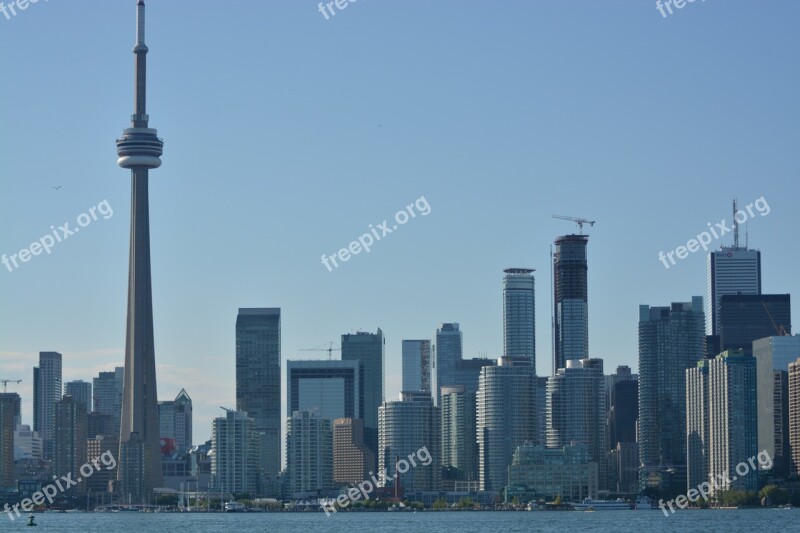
pixel 730 270
pixel 329 389
pixel 446 352
pixel 417 365
pixel 459 445
pixel 258 380
pixel 698 432
pixel 139 150
pixel 81 392
pixel 576 409
pixel 175 419
pixel 623 412
pixel 235 447
pixel 406 427
pixel 732 419
pixel 570 300
pixel 46 392
pixel 794 416
pixel 670 341
pixel 107 397
pixel 309 455
pixel 351 458
pixel 368 350
pixel 745 318
pixel 70 440
pixel 9 404
pixel 506 418
pixel 519 314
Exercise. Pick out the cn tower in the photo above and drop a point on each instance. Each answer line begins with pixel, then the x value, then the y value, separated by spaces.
pixel 139 150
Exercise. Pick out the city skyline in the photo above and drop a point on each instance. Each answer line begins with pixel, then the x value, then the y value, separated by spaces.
pixel 192 295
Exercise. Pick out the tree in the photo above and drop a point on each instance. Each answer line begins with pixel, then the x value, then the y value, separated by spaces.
pixel 774 495
pixel 440 504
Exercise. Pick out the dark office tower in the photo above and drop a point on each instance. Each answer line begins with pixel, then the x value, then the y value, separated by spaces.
pixel 100 424
pixel 570 300
pixel 258 381
pixel 745 318
pixel 368 350
pixel 519 314
pixel 468 372
pixel 730 270
pixel 9 406
pixel 139 150
pixel 623 412
pixel 445 354
pixel 46 392
pixel 670 341
pixel 81 392
pixel 70 440
pixel 107 397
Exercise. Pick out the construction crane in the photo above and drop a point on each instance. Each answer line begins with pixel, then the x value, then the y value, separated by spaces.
pixel 579 221
pixel 5 383
pixel 330 349
pixel 227 410
pixel 779 329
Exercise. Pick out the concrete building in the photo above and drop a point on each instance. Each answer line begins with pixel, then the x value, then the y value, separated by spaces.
pixel 70 440
pixel 309 455
pixel 623 468
pixel 95 448
pixel 519 314
pixel 459 444
pixel 406 427
pixel 352 460
pixel 571 300
pixel 234 452
pixel 732 418
pixel 258 384
pixel 697 424
pixel 794 416
pixel 27 444
pixel 538 473
pixel 47 388
pixel 576 412
pixel 447 350
pixel 9 406
pixel 368 349
pixel 506 418
pixel 417 365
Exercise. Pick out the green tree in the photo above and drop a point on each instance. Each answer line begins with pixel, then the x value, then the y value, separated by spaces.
pixel 440 504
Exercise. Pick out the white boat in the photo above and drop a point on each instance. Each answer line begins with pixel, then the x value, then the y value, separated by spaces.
pixel 643 503
pixel 234 507
pixel 590 504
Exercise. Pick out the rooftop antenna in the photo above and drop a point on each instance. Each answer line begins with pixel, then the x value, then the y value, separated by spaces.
pixel 735 227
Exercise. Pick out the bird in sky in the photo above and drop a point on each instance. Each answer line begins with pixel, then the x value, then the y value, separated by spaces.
pixel 57 187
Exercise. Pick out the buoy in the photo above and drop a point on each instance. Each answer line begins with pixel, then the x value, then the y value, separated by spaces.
pixel 31 520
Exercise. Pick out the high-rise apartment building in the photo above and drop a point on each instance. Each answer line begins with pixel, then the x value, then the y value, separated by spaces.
pixel 309 455
pixel 417 365
pixel 368 349
pixel 352 460
pixel 70 440
pixel 47 387
pixel 81 392
pixel 9 405
pixel 446 352
pixel 698 432
pixel 107 397
pixel 458 429
pixel 519 314
pixel 794 416
pixel 235 448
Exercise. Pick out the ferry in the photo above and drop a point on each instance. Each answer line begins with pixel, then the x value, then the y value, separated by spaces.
pixel 602 505
pixel 234 507
pixel 643 503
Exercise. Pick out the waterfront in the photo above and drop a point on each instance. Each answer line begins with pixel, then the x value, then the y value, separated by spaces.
pixel 728 521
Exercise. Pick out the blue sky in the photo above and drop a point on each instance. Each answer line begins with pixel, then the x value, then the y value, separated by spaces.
pixel 288 134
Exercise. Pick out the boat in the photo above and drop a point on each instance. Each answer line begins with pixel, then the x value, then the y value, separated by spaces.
pixel 644 503
pixel 590 504
pixel 234 507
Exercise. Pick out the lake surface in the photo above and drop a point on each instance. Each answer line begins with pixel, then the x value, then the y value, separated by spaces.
pixel 726 521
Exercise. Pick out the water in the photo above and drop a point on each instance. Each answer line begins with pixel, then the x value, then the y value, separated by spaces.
pixel 726 521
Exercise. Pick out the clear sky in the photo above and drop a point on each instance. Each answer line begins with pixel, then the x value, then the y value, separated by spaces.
pixel 287 135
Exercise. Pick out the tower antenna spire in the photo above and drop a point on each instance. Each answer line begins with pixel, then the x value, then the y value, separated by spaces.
pixel 735 227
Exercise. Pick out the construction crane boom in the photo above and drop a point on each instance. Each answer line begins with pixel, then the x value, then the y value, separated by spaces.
pixel 579 221
pixel 330 349
pixel 5 383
